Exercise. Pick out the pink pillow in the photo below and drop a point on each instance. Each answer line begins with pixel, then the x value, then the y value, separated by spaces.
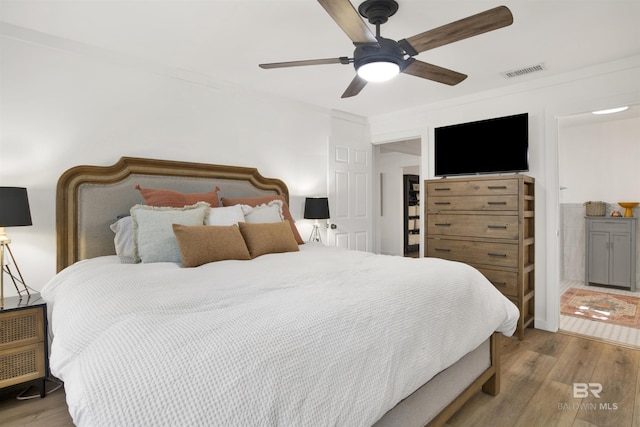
pixel 175 199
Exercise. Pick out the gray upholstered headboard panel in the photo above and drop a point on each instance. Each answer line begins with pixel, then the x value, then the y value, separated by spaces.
pixel 90 198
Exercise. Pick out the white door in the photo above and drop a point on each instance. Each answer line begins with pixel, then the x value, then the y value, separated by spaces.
pixel 349 192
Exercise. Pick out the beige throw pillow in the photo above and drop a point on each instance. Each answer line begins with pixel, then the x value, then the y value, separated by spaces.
pixel 255 201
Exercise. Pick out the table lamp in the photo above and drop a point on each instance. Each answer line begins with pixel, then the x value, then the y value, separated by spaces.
pixel 14 212
pixel 316 208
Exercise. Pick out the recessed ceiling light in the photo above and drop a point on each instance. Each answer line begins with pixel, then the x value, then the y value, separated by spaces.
pixel 611 110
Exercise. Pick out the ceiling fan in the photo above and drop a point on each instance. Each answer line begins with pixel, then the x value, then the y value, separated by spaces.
pixel 376 58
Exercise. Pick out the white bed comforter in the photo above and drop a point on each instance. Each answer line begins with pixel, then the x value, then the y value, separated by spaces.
pixel 318 337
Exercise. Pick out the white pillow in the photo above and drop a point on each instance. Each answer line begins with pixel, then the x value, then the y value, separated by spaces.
pixel 268 212
pixel 123 240
pixel 153 237
pixel 228 215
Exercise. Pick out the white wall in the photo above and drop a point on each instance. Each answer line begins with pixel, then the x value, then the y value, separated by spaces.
pixel 61 109
pixel 545 100
pixel 600 161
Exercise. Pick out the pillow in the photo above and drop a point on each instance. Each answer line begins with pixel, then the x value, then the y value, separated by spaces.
pixel 266 238
pixel 226 215
pixel 123 240
pixel 255 201
pixel 267 212
pixel 175 199
pixel 200 244
pixel 153 237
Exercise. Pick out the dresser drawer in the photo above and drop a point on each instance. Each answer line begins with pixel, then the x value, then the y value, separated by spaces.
pixel 472 187
pixel 489 226
pixel 475 253
pixel 471 203
pixel 505 281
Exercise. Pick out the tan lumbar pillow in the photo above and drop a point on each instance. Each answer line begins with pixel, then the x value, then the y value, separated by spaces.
pixel 201 244
pixel 266 238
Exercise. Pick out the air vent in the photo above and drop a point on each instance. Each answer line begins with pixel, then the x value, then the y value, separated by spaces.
pixel 522 71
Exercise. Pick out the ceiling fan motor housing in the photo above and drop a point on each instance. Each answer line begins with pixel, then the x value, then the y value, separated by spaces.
pixel 378 11
pixel 385 50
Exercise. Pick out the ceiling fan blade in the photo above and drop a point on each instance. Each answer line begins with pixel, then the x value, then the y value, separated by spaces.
pixel 341 60
pixel 434 72
pixel 474 25
pixel 356 85
pixel 348 18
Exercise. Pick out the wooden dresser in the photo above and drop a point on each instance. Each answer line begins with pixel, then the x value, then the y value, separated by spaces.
pixel 487 222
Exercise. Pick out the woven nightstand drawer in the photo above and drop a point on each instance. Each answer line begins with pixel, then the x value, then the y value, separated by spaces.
pixel 22 364
pixel 23 342
pixel 21 327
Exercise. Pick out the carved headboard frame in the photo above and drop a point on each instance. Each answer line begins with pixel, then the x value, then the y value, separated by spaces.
pixel 112 187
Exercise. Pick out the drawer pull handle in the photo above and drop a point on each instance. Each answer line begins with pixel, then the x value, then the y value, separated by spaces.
pixel 442 224
pixel 500 283
pixel 442 189
pixel 499 255
pixel 442 250
pixel 501 227
pixel 497 203
pixel 497 187
pixel 442 203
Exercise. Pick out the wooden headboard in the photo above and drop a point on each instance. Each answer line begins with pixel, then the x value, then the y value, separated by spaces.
pixel 90 198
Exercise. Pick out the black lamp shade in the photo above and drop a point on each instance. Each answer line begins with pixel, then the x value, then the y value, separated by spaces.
pixel 316 208
pixel 14 207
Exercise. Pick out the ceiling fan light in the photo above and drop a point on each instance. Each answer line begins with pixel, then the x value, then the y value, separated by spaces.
pixel 380 71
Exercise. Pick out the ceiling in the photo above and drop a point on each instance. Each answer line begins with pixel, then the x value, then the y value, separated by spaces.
pixel 224 41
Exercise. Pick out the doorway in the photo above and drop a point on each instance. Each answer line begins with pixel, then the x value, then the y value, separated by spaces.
pixel 596 158
pixel 392 161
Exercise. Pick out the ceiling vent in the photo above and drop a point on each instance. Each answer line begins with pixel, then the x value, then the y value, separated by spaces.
pixel 522 71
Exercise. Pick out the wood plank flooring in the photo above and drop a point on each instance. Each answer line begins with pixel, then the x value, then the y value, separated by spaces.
pixel 538 374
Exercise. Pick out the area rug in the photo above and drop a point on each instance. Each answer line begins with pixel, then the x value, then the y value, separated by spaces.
pixel 601 307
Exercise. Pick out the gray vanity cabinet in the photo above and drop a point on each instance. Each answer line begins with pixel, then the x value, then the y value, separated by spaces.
pixel 611 252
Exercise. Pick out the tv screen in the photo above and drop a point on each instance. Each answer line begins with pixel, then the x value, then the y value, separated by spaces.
pixel 483 147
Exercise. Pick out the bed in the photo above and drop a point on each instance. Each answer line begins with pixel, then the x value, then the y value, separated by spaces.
pixel 311 335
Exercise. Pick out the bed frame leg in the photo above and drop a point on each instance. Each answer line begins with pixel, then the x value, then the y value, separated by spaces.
pixel 492 386
pixel 489 382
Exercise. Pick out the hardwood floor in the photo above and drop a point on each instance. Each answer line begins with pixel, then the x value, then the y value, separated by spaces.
pixel 538 376
pixel 50 411
pixel 537 389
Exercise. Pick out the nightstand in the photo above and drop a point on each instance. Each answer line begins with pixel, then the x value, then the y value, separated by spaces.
pixel 23 342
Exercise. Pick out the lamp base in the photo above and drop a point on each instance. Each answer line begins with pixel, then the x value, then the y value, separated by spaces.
pixel 4 244
pixel 315 233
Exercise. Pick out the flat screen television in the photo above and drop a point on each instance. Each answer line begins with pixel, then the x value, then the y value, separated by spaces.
pixel 487 146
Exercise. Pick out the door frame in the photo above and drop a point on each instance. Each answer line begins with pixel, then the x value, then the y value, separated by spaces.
pixel 419 133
